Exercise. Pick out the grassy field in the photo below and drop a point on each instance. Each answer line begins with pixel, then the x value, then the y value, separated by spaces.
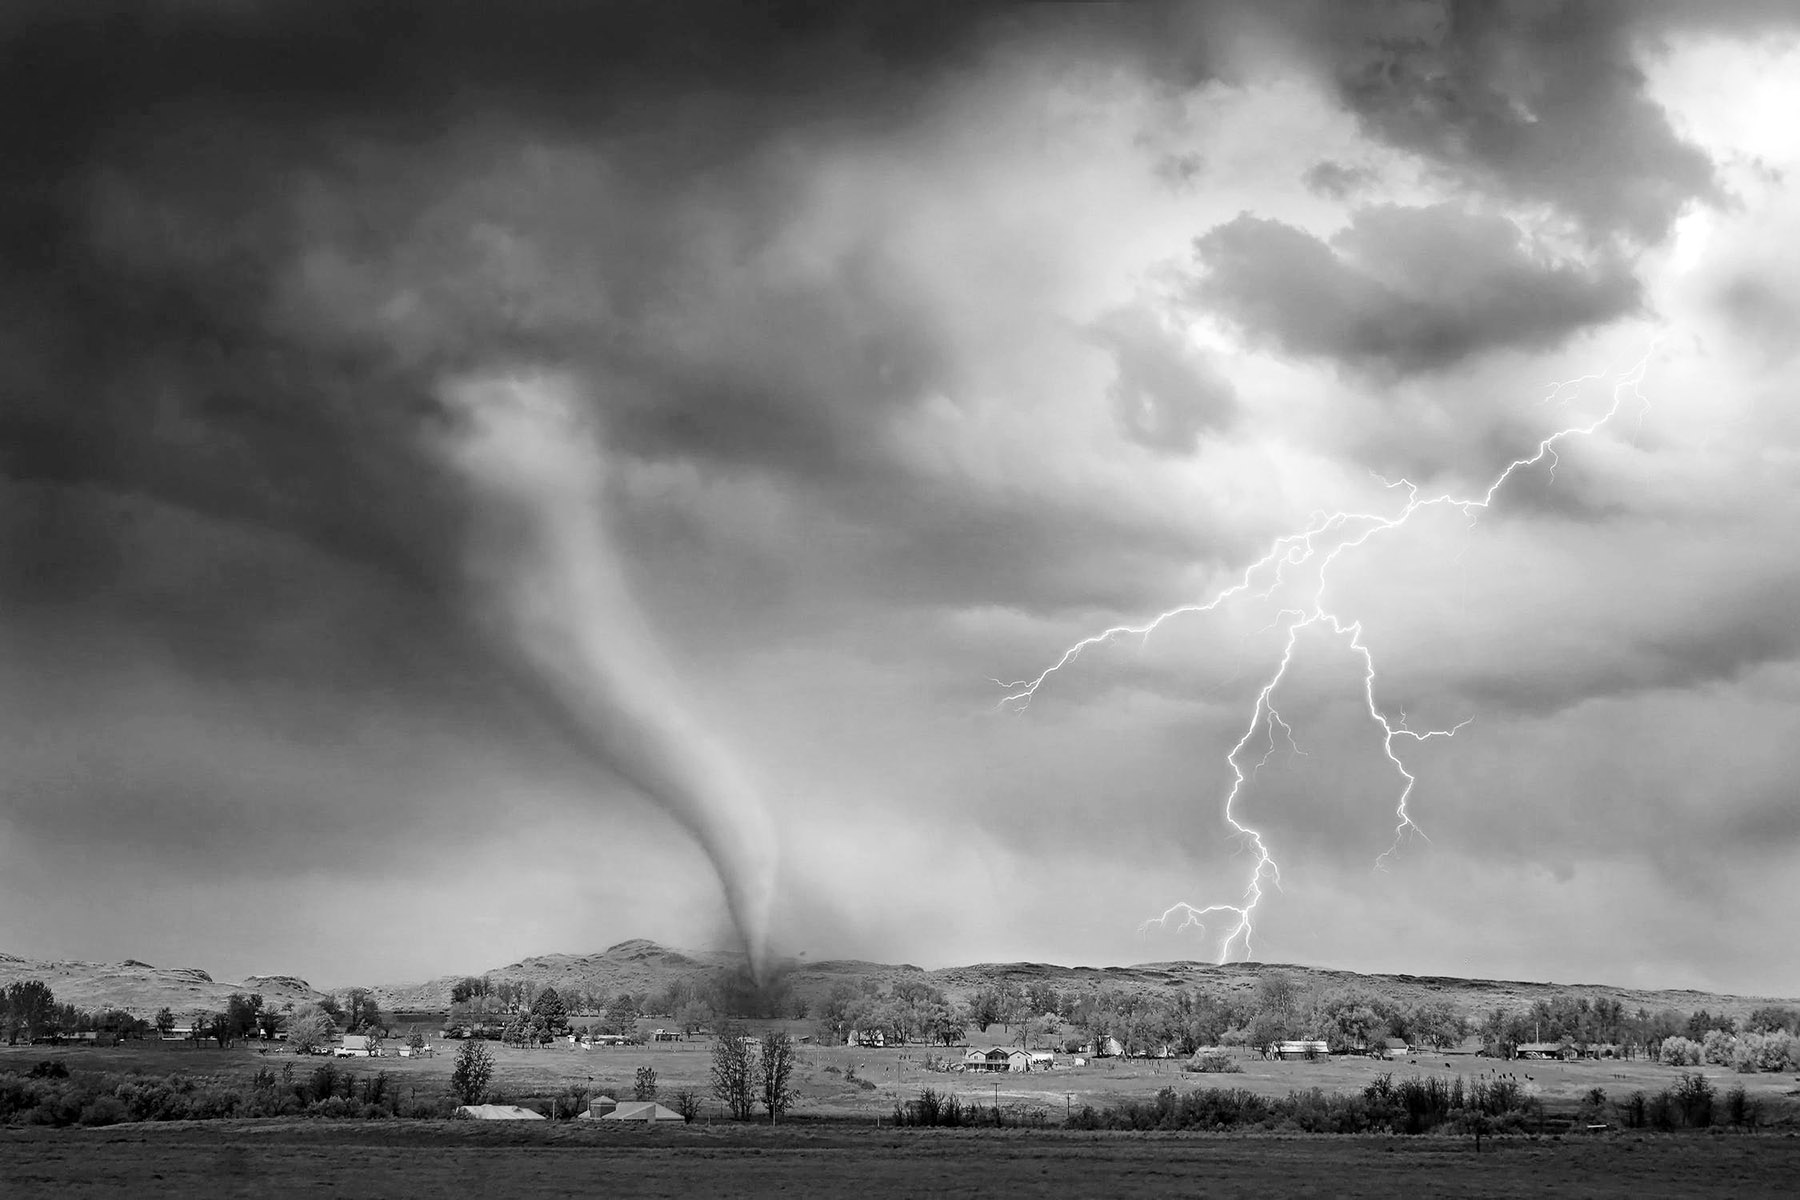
pixel 846 1082
pixel 839 1140
pixel 289 1157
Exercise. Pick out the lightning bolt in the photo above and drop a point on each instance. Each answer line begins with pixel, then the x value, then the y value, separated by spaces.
pixel 1318 546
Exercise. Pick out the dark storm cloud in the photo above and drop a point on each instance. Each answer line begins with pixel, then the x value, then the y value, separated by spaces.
pixel 149 210
pixel 1336 180
pixel 1541 100
pixel 1402 290
pixel 1165 393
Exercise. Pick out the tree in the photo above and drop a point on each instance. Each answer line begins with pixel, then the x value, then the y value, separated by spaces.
pixel 309 1028
pixel 1772 1019
pixel 1278 996
pixel 551 1008
pixel 165 1021
pixel 414 1039
pixel 29 1008
pixel 1434 1023
pixel 687 1104
pixel 775 1073
pixel 693 1016
pixel 731 1072
pixel 622 1015
pixel 834 1014
pixel 469 988
pixel 984 1009
pixel 364 1014
pixel 241 1013
pixel 644 1086
pixel 474 1068
pixel 1351 1019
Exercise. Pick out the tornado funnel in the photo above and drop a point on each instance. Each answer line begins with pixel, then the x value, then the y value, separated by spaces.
pixel 550 584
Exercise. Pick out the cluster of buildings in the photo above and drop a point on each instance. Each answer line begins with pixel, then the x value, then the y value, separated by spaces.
pixel 1007 1058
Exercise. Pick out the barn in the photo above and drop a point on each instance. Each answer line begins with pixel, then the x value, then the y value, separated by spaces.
pixel 644 1112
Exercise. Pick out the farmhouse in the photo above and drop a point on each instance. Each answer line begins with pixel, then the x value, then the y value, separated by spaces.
pixel 666 1035
pixel 358 1045
pixel 1545 1050
pixel 998 1058
pixel 1392 1048
pixel 1289 1051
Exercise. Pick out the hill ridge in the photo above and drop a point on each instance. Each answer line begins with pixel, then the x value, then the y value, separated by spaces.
pixel 642 965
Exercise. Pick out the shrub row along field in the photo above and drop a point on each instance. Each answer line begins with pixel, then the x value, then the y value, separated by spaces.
pixel 51 1094
pixel 1421 1104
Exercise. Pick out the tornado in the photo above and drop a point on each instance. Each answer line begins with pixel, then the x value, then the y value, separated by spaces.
pixel 549 587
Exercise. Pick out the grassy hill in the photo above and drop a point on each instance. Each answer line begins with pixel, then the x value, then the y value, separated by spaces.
pixel 639 966
pixel 142 989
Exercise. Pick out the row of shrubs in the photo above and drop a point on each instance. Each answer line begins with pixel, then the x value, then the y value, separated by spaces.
pixel 1693 1103
pixel 54 1097
pixel 1416 1105
pixel 1743 1052
pixel 940 1109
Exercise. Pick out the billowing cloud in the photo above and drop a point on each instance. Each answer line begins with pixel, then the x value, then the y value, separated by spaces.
pixel 1165 394
pixel 1538 100
pixel 1402 290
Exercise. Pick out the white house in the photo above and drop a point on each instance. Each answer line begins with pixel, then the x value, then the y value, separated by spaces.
pixel 998 1058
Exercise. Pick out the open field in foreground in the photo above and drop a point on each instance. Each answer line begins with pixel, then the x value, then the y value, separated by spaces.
pixel 298 1157
pixel 880 1076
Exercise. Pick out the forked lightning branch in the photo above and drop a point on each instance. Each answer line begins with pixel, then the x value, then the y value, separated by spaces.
pixel 1310 553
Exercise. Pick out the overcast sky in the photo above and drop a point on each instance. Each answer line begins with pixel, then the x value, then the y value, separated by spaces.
pixel 470 480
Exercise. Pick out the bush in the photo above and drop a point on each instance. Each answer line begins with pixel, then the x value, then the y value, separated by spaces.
pixel 1213 1061
pixel 570 1104
pixel 1718 1047
pixel 1694 1096
pixel 1415 1105
pixel 1777 1051
pixel 1634 1111
pixel 1679 1052
pixel 1740 1109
